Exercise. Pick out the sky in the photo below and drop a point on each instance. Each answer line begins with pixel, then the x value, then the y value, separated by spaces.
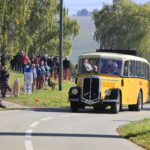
pixel 76 5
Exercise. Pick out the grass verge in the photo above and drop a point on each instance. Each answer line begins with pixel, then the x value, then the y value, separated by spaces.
pixel 1 109
pixel 42 98
pixel 137 132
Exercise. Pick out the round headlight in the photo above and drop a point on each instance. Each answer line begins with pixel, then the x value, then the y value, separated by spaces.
pixel 74 91
pixel 107 92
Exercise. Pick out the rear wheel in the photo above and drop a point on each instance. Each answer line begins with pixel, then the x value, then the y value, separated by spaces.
pixel 139 105
pixel 74 106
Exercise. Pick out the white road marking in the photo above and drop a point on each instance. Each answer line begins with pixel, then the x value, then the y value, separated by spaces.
pixel 48 118
pixel 69 115
pixel 28 145
pixel 33 125
pixel 28 133
pixel 66 115
pixel 75 114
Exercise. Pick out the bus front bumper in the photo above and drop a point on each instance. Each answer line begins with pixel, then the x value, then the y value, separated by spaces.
pixel 93 102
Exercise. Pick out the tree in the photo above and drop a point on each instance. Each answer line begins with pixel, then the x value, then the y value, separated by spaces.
pixel 42 26
pixel 83 12
pixel 13 16
pixel 123 25
pixel 33 26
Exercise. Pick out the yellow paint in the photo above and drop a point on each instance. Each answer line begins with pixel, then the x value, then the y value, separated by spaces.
pixel 129 91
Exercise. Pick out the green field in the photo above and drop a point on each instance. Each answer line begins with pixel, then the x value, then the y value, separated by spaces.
pixel 138 132
pixel 42 98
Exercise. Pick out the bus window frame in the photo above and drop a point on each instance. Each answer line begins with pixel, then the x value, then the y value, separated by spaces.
pixel 130 63
pixel 138 69
pixel 148 72
pixel 126 68
pixel 143 70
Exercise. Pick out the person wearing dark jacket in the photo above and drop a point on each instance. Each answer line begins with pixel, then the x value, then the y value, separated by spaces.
pixel 4 77
pixel 39 77
pixel 3 58
pixel 66 69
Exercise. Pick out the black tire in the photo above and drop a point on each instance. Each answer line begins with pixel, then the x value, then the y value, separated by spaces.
pixel 139 104
pixel 98 108
pixel 131 107
pixel 116 107
pixel 74 106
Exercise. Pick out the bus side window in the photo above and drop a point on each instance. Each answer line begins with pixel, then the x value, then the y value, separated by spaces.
pixel 132 69
pixel 143 70
pixel 147 72
pixel 126 69
pixel 138 69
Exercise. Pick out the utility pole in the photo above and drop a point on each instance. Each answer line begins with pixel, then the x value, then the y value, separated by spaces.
pixel 60 44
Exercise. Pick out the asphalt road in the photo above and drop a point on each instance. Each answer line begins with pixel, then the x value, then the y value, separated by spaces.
pixel 59 129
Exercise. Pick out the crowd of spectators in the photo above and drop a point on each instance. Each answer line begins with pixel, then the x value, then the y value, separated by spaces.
pixel 43 67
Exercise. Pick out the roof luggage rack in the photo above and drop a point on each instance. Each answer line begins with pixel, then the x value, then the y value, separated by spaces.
pixel 120 51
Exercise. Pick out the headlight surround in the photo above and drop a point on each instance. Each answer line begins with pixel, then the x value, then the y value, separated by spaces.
pixel 74 91
pixel 108 92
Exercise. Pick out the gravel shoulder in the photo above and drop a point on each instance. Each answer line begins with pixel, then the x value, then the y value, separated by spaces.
pixel 13 105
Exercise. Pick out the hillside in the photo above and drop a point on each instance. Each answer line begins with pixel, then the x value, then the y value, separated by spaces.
pixel 84 41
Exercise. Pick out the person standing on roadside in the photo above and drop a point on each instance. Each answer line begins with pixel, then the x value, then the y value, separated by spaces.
pixel 47 69
pixel 25 60
pixel 28 78
pixel 56 67
pixel 43 73
pixel 3 59
pixel 67 69
pixel 39 77
pixel 51 65
pixel 4 77
pixel 34 77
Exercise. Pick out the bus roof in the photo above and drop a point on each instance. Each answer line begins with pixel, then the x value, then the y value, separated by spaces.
pixel 112 55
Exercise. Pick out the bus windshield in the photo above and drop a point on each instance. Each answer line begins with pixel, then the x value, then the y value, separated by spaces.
pixel 110 66
pixel 102 66
pixel 89 65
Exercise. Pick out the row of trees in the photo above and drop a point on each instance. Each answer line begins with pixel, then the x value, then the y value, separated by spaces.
pixel 33 26
pixel 124 25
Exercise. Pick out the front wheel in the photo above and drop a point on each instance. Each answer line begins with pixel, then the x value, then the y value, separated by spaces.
pixel 99 108
pixel 116 107
pixel 131 107
pixel 74 106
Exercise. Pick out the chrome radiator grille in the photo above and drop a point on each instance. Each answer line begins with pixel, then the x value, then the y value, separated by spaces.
pixel 90 88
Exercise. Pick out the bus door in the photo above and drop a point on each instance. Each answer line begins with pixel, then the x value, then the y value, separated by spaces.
pixel 134 73
pixel 126 85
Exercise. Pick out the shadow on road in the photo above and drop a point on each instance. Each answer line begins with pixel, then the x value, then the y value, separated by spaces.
pixel 74 135
pixel 87 110
pixel 51 109
pixel 67 110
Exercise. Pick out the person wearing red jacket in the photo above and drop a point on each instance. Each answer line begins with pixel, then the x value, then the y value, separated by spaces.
pixel 25 60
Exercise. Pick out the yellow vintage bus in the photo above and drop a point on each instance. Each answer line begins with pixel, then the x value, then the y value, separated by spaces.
pixel 111 78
